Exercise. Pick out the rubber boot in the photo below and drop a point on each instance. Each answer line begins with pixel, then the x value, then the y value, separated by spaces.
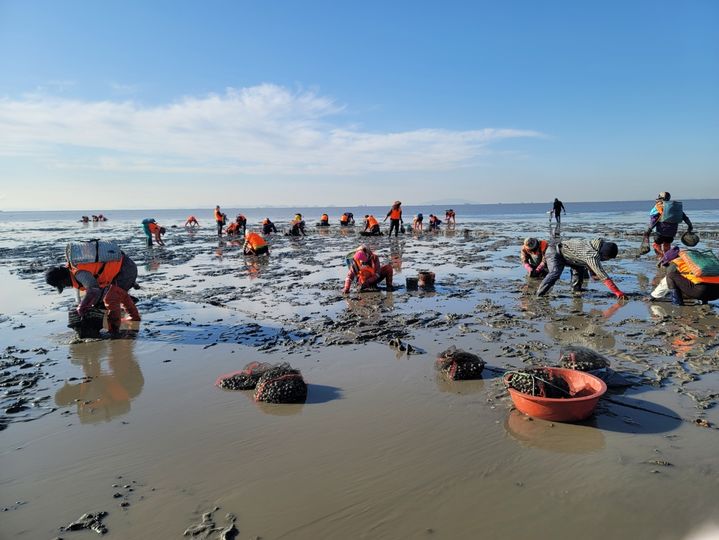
pixel 677 299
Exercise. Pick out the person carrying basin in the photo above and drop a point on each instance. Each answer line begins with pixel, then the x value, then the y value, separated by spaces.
pixel 104 272
pixel 532 256
pixel 583 257
pixel 365 267
pixel 664 218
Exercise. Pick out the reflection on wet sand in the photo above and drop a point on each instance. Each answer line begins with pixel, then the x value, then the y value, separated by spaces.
pixel 556 437
pixel 580 327
pixel 105 391
pixel 447 385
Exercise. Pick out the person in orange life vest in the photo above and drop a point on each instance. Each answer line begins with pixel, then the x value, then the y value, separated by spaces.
pixel 220 219
pixel 367 270
pixel 417 222
pixel 665 231
pixel 681 282
pixel 450 216
pixel 395 218
pixel 434 222
pixel 371 226
pixel 268 227
pixel 232 229
pixel 347 219
pixel 192 222
pixel 324 221
pixel 106 282
pixel 152 230
pixel 532 257
pixel 255 244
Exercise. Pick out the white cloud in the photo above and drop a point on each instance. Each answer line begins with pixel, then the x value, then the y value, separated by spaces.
pixel 264 129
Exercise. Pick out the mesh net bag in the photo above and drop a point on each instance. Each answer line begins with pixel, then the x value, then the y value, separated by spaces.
pixel 581 358
pixel 539 382
pixel 86 327
pixel 459 365
pixel 246 379
pixel 281 384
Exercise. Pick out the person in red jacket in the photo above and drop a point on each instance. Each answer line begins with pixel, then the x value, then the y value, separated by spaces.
pixel 532 257
pixel 364 266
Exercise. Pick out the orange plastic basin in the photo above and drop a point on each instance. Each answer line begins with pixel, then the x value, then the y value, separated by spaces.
pixel 585 388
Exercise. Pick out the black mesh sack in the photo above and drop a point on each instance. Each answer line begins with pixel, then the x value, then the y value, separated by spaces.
pixel 539 382
pixel 459 365
pixel 281 384
pixel 86 327
pixel 581 358
pixel 245 379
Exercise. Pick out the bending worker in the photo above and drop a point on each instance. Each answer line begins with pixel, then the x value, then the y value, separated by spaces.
pixel 347 219
pixel 324 220
pixel 395 218
pixel 152 230
pixel 532 257
pixel 268 227
pixel 371 226
pixel 192 222
pixel 255 244
pixel 583 257
pixel 297 226
pixel 367 270
pixel 107 280
pixel 665 217
pixel 682 280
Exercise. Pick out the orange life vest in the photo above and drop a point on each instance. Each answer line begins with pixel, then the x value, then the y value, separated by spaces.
pixel 344 219
pixel 684 270
pixel 232 228
pixel 365 273
pixel 104 272
pixel 154 227
pixel 191 218
pixel 371 221
pixel 255 241
pixel 218 215
pixel 325 217
pixel 395 213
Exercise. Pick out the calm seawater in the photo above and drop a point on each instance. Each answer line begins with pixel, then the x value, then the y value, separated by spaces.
pixel 699 210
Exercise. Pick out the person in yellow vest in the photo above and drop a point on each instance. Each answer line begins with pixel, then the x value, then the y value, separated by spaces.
pixel 683 282
pixel 297 226
pixel 532 257
pixel 108 282
pixel 325 221
pixel 371 226
pixel 255 244
pixel 395 218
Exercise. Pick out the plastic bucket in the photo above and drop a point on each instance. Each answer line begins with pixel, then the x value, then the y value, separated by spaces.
pixel 585 387
pixel 690 239
pixel 426 279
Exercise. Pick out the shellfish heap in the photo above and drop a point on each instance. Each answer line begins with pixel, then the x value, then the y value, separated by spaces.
pixel 539 382
pixel 458 365
pixel 273 383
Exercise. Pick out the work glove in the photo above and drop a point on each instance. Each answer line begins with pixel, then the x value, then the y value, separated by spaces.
pixel 612 287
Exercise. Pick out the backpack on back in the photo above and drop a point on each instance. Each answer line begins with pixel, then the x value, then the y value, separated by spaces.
pixel 673 212
pixel 92 251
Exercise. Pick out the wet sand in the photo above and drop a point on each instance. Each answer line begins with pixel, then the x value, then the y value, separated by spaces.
pixel 384 447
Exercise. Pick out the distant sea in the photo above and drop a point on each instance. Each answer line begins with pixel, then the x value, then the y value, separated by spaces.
pixel 697 209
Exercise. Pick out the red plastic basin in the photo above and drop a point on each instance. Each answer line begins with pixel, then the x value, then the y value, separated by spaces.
pixel 585 387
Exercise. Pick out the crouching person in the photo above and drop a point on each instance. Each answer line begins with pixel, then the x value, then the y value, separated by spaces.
pixel 255 244
pixel 106 275
pixel 532 257
pixel 583 257
pixel 364 266
pixel 689 276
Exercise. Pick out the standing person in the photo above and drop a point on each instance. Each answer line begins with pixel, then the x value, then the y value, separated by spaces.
pixel 557 208
pixel 366 268
pixel 220 219
pixel 268 227
pixel 108 279
pixel 395 218
pixel 583 257
pixel 665 217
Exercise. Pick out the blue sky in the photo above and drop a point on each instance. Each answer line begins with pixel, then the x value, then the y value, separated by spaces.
pixel 182 104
